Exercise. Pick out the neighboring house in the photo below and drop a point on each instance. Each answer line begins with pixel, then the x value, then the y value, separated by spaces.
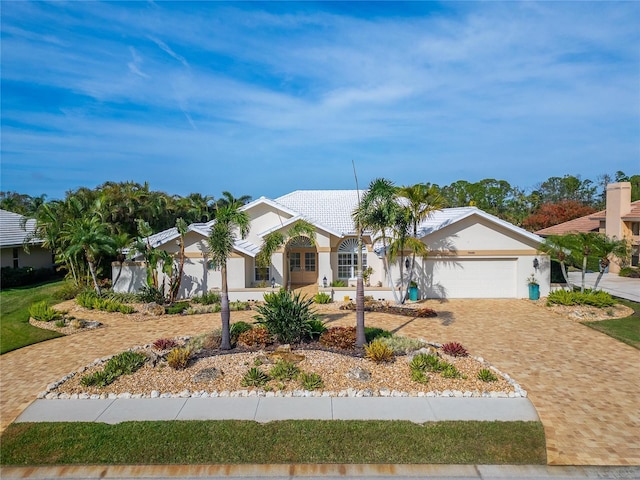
pixel 620 219
pixel 14 230
pixel 473 254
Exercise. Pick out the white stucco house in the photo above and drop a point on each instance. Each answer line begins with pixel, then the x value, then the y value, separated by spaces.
pixel 472 254
pixel 15 232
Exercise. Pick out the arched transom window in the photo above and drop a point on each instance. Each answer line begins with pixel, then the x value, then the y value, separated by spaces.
pixel 348 258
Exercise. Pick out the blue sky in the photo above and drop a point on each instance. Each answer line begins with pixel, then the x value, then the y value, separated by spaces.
pixel 265 98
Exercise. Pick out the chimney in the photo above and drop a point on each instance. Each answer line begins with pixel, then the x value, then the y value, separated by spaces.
pixel 618 205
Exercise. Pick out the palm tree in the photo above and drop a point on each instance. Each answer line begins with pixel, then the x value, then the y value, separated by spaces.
pixel 228 199
pixel 421 200
pixel 559 248
pixel 176 277
pixel 87 235
pixel 605 248
pixel 228 222
pixel 276 240
pixel 377 213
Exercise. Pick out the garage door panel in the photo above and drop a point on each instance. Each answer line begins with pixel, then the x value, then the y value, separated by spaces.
pixel 470 278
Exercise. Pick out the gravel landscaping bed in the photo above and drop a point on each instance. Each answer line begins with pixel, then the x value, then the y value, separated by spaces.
pixel 338 372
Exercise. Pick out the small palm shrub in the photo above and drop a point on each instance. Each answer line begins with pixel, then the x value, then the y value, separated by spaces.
pixel 316 328
pixel 338 283
pixel 322 298
pixel 283 371
pixel 450 371
pixel 255 337
pixel 255 378
pixel 401 345
pixel 208 298
pixel 86 298
pixel 122 297
pixel 42 312
pixel 178 358
pixel 164 344
pixel 486 375
pixel 60 323
pixel 597 298
pixel 339 337
pixel 176 308
pixel 378 352
pixel 124 363
pixel 427 362
pixel 310 381
pixel 286 315
pixel 454 349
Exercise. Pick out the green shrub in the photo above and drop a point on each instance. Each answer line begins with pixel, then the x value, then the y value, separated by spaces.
pixel 419 376
pixel 199 309
pixel 373 333
pixel 310 381
pixel 208 298
pixel 42 312
pixel 401 344
pixel 67 292
pixel 597 298
pixel 286 315
pixel 322 298
pixel 60 323
pixel 255 337
pixel 150 294
pixel 316 328
pixel 630 272
pixel 121 297
pixel 19 277
pixel 378 351
pixel 338 283
pixel 177 308
pixel 238 328
pixel 254 378
pixel 339 337
pixel 450 371
pixel 238 306
pixel 486 375
pixel 284 371
pixel 86 299
pixel 124 363
pixel 178 358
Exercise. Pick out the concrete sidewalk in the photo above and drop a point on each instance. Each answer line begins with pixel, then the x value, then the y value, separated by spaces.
pixel 262 409
pixel 322 471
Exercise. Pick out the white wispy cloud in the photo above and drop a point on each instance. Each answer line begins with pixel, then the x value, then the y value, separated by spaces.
pixel 167 49
pixel 134 65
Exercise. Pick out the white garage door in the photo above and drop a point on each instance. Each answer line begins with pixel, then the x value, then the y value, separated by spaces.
pixel 471 278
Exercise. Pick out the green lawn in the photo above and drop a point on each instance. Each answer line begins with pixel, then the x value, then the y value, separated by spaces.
pixel 306 441
pixel 626 330
pixel 15 331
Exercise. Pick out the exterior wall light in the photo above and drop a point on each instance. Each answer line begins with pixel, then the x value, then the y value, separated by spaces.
pixel 324 282
pixel 536 264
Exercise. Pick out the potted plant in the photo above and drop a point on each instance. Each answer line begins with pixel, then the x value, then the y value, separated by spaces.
pixel 413 291
pixel 534 287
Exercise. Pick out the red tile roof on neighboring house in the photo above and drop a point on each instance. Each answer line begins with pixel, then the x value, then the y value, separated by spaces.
pixel 588 223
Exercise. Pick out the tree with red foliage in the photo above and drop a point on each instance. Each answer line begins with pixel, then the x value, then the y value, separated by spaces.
pixel 550 214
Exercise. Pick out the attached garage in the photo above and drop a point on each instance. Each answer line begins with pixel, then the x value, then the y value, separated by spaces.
pixel 470 278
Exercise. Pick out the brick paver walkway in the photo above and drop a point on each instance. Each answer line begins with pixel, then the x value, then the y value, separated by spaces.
pixel 585 385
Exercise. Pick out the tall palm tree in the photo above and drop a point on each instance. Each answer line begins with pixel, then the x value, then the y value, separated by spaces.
pixel 559 248
pixel 229 221
pixel 276 240
pixel 420 201
pixel 89 236
pixel 378 213
pixel 228 199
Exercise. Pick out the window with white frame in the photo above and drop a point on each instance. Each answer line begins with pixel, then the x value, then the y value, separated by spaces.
pixel 348 258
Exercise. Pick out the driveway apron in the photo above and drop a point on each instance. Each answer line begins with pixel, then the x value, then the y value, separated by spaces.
pixel 584 384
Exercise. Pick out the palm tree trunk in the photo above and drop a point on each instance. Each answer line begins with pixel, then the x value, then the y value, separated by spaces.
pixel 92 269
pixel 584 271
pixel 360 336
pixel 225 314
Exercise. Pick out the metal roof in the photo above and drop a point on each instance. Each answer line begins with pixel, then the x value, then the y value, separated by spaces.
pixel 12 233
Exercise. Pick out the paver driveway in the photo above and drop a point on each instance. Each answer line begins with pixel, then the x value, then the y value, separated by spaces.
pixel 585 385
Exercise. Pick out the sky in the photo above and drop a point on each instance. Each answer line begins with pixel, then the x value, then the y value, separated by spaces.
pixel 264 98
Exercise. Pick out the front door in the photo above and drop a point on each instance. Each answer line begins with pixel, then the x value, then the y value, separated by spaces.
pixel 303 267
